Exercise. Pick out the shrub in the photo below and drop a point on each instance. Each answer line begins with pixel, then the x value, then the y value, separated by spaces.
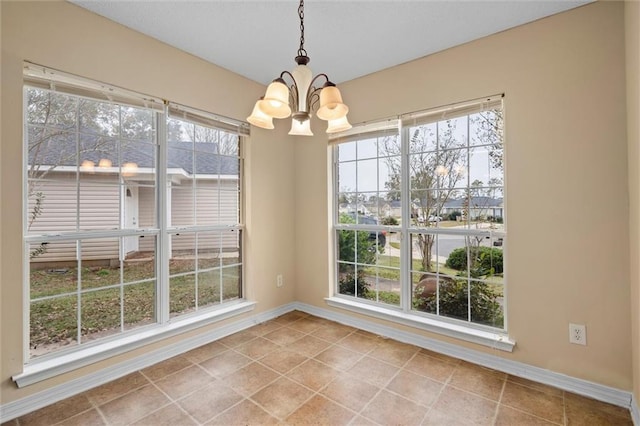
pixel 454 215
pixel 349 285
pixel 454 302
pixel 389 221
pixel 347 243
pixel 486 260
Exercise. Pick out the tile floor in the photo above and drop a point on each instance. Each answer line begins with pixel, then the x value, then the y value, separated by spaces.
pixel 300 369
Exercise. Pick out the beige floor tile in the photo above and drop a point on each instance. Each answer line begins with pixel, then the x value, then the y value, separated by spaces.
pixel 171 415
pixel 358 342
pixel 309 346
pixel 334 332
pixel 284 336
pixel 116 388
pixel 320 411
pixel 338 357
pixel 313 374
pixel 283 360
pixel 184 382
pixel 290 317
pixel 430 367
pixel 532 401
pixel 415 387
pixel 535 385
pixel 257 348
pixel 508 416
pixel 362 421
pixel 484 382
pixel 306 325
pixel 465 406
pixel 350 392
pixel 210 401
pixel 205 352
pixel 134 405
pixel 164 368
pixel 88 418
pixel 579 402
pixel 250 378
pixel 391 409
pixel 394 352
pixel 438 418
pixel 244 414
pixel 57 412
pixel 225 363
pixel 439 356
pixel 239 338
pixel 282 397
pixel 265 328
pixel 374 371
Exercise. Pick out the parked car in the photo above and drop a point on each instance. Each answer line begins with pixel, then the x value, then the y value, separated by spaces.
pixel 433 218
pixel 370 220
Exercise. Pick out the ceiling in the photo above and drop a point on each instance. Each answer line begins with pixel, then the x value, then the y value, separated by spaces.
pixel 345 39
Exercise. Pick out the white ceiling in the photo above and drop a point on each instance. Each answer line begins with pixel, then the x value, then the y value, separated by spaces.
pixel 345 39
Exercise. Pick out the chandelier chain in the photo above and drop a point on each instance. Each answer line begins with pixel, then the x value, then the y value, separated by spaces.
pixel 301 50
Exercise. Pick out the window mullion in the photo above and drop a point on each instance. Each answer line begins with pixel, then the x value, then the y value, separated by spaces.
pixel 163 243
pixel 405 243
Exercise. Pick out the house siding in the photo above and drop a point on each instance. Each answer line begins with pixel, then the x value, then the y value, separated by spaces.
pixel 208 196
pixel 98 208
pixel 93 204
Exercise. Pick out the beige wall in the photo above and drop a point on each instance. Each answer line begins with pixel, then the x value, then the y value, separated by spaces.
pixel 564 80
pixel 632 25
pixel 61 35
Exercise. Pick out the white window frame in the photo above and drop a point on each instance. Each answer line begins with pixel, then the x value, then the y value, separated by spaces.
pixel 403 314
pixel 68 359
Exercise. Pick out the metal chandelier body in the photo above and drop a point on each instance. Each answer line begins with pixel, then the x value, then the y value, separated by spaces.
pixel 300 97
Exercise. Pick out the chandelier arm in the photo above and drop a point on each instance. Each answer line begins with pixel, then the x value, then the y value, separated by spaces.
pixel 313 93
pixel 293 89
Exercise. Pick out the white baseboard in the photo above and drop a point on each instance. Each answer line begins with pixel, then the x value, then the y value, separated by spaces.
pixel 583 387
pixel 36 401
pixel 635 411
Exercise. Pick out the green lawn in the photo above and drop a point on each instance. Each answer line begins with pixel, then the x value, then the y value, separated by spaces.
pixel 105 303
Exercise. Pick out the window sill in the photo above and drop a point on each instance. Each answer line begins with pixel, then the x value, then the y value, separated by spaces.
pixel 44 369
pixel 493 340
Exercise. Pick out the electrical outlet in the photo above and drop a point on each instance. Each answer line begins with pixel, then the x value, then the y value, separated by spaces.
pixel 279 281
pixel 578 334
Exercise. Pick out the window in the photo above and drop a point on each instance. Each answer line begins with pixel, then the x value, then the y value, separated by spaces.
pixel 419 214
pixel 132 212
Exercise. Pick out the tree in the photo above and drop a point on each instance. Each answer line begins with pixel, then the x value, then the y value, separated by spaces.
pixel 435 167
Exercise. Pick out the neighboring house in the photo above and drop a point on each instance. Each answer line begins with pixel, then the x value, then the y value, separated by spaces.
pixel 99 195
pixel 353 207
pixel 477 206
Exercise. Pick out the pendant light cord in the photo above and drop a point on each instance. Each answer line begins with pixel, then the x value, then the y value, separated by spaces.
pixel 301 51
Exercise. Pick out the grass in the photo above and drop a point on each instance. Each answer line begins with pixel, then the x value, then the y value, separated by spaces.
pixel 108 305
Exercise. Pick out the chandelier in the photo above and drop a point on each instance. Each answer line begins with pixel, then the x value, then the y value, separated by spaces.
pixel 295 94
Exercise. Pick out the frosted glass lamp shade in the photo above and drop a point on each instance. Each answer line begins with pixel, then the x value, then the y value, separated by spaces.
pixel 331 106
pixel 276 101
pixel 300 128
pixel 338 125
pixel 260 119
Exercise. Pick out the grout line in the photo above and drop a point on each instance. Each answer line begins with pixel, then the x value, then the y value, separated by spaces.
pixel 504 386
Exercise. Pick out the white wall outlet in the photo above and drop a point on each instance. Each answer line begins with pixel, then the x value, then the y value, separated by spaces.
pixel 578 334
pixel 279 281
